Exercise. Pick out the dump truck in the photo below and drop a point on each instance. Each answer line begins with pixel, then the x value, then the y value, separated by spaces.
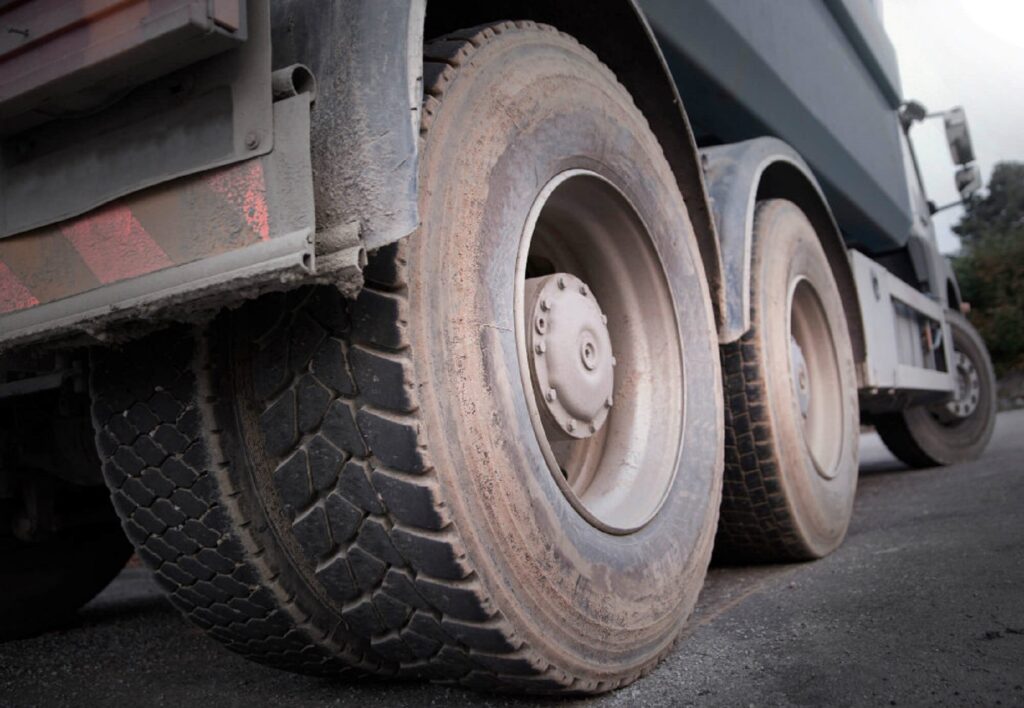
pixel 450 340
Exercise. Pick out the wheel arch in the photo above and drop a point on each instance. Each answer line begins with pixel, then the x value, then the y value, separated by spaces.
pixel 633 54
pixel 738 176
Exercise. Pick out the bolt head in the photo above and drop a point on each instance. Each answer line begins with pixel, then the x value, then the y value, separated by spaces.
pixel 540 348
pixel 583 290
pixel 570 425
pixel 545 304
pixel 561 283
pixel 551 395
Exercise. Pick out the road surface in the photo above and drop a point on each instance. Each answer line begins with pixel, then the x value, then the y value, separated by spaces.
pixel 923 604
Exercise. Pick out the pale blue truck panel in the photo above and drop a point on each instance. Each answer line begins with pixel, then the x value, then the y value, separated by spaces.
pixel 820 75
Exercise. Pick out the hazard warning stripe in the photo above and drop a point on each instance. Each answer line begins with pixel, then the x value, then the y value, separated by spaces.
pixel 245 188
pixel 180 222
pixel 13 294
pixel 114 245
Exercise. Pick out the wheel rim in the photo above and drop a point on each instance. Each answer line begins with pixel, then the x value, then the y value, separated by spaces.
pixel 967 395
pixel 815 378
pixel 603 382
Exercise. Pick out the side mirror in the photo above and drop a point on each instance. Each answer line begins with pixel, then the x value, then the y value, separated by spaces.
pixel 958 137
pixel 968 181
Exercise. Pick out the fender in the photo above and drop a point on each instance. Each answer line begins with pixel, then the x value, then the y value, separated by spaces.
pixel 367 58
pixel 738 176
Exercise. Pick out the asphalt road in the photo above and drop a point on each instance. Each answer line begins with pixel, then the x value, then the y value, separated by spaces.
pixel 923 604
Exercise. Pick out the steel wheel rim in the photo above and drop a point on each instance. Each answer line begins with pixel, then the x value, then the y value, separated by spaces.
pixel 815 378
pixel 967 395
pixel 618 477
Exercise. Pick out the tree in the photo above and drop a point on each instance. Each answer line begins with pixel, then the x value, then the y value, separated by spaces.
pixel 990 267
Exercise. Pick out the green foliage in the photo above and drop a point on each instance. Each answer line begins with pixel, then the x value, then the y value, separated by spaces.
pixel 990 267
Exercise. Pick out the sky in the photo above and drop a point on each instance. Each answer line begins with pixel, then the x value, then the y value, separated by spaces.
pixel 968 53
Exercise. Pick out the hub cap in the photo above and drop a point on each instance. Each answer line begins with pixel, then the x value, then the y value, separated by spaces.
pixel 801 379
pixel 571 356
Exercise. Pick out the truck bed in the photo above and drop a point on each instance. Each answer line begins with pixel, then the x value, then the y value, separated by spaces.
pixel 820 75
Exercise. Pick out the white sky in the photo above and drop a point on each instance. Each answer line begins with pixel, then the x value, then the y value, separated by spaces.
pixel 968 53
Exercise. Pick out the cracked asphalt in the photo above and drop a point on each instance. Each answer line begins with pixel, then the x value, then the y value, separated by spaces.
pixel 923 604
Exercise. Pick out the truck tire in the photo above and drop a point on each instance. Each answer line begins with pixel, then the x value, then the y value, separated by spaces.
pixel 792 423
pixel 45 581
pixel 328 485
pixel 945 434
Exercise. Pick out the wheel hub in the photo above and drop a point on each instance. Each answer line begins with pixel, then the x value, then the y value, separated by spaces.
pixel 815 378
pixel 801 378
pixel 571 361
pixel 968 388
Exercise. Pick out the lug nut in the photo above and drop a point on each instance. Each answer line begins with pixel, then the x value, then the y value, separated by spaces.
pixel 545 304
pixel 561 283
pixel 570 425
pixel 551 395
pixel 542 325
pixel 608 403
pixel 540 348
pixel 583 290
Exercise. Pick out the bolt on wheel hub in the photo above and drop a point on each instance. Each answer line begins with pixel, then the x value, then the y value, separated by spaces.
pixel 571 360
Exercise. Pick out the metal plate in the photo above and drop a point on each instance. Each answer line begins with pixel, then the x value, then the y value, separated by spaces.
pixel 232 231
pixel 52 49
pixel 214 113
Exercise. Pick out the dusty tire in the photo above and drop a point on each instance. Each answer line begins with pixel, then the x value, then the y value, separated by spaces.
pixel 789 486
pixel 927 436
pixel 325 484
pixel 44 582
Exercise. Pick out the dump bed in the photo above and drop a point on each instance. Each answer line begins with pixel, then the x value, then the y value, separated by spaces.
pixel 820 75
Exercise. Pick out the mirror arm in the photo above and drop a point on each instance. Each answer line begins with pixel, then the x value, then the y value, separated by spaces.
pixel 933 210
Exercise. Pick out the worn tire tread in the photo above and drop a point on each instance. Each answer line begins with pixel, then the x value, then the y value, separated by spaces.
pixel 755 523
pixel 378 545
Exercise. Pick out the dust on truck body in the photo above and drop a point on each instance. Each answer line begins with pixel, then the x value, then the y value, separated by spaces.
pixel 428 339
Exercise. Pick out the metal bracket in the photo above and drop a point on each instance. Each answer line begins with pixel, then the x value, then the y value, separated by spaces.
pixel 902 354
